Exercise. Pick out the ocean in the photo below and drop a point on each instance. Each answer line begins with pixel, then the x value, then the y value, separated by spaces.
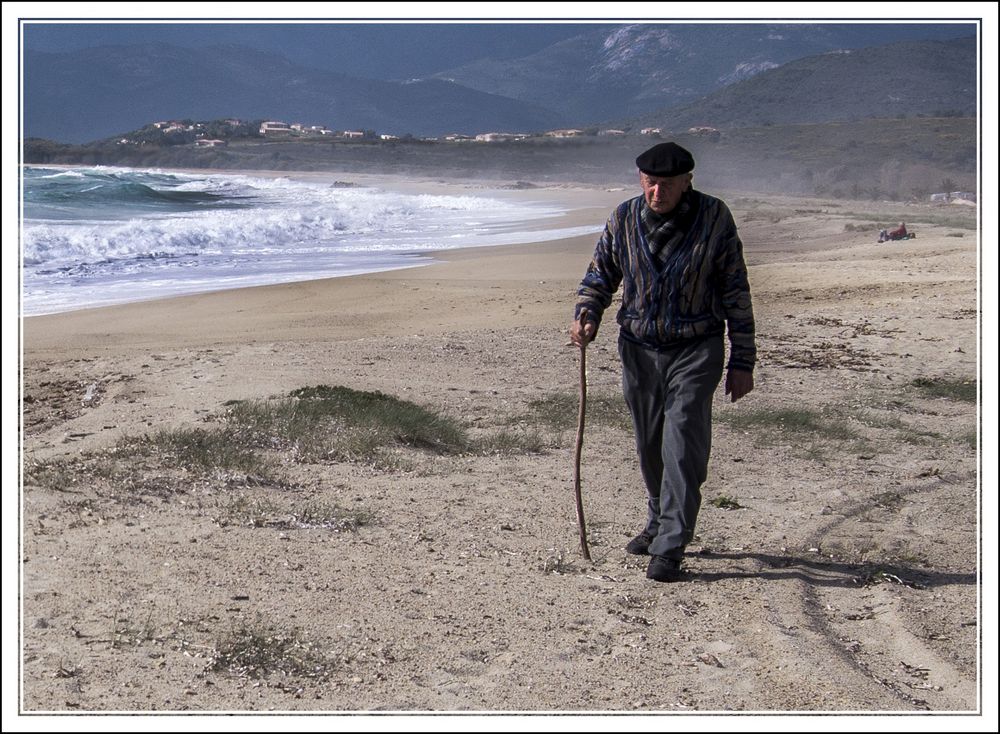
pixel 94 236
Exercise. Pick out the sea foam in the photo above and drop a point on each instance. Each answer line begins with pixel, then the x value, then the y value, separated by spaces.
pixel 92 236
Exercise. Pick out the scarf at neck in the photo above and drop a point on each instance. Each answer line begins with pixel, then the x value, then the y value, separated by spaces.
pixel 665 232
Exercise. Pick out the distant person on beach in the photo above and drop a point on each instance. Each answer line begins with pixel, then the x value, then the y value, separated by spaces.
pixel 678 256
pixel 899 233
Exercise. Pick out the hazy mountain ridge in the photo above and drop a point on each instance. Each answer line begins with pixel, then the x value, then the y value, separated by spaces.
pixel 113 89
pixel 908 79
pixel 609 73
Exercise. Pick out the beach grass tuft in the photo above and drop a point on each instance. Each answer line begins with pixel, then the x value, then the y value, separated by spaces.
pixel 261 512
pixel 560 411
pixel 545 422
pixel 770 424
pixel 244 511
pixel 131 633
pixel 556 411
pixel 157 464
pixel 724 502
pixel 557 564
pixel 54 474
pixel 326 423
pixel 904 431
pixel 329 516
pixel 198 448
pixel 254 439
pixel 512 441
pixel 879 574
pixel 958 220
pixel 889 500
pixel 962 390
pixel 258 650
pixel 968 438
pixel 809 433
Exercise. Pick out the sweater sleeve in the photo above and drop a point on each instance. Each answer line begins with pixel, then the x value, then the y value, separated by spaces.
pixel 603 276
pixel 734 287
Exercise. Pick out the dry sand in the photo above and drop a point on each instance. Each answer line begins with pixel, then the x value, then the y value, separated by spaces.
pixel 846 581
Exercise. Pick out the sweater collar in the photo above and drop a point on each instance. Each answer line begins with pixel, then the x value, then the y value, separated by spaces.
pixel 653 221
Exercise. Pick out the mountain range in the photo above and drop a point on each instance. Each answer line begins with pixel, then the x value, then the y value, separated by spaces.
pixel 674 74
pixel 908 79
pixel 625 71
pixel 114 89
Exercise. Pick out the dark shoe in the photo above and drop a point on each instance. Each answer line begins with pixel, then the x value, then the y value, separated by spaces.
pixel 639 545
pixel 662 568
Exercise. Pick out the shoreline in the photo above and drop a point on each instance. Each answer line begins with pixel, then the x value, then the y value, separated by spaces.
pixel 462 268
pixel 582 207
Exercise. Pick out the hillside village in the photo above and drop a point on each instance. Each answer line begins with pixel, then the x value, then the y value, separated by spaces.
pixel 922 158
pixel 219 133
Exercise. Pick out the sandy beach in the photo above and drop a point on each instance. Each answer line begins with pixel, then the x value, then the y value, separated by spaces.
pixel 835 569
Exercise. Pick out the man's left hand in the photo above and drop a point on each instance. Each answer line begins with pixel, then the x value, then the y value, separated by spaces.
pixel 738 383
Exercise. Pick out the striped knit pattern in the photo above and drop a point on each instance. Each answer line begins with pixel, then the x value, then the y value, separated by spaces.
pixel 699 289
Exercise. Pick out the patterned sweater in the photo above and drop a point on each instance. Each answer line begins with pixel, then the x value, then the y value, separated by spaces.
pixel 689 292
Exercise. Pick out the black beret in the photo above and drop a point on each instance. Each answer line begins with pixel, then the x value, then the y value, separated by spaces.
pixel 665 159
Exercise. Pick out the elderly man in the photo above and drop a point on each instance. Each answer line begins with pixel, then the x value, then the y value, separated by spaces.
pixel 678 257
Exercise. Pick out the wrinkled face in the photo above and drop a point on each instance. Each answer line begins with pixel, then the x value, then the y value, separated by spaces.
pixel 663 193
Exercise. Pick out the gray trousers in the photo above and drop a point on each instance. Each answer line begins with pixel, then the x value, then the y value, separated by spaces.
pixel 670 396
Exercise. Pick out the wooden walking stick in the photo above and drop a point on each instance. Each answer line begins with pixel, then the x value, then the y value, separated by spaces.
pixel 579 443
